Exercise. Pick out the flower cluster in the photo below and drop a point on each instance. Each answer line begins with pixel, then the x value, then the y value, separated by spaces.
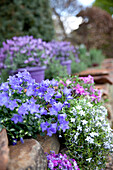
pixel 63 50
pixel 89 137
pixel 24 51
pixel 27 51
pixel 59 161
pixel 27 108
pixel 82 86
pixel 64 107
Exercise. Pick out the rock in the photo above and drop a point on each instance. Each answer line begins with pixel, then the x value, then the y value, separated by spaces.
pixel 103 79
pixel 4 150
pixel 49 143
pixel 109 163
pixel 109 105
pixel 27 156
pixel 107 60
pixel 104 89
pixel 94 72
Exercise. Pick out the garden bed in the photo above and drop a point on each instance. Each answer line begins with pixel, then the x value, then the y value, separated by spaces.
pixel 70 108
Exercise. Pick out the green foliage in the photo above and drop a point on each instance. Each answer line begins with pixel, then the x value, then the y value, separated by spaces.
pixel 78 67
pixel 105 5
pixel 31 17
pixel 90 58
pixel 88 136
pixel 84 60
pixel 4 75
pixel 55 69
pixel 96 56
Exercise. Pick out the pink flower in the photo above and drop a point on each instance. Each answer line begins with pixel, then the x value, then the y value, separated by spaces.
pixel 62 82
pixel 88 79
pixel 79 89
pixel 68 82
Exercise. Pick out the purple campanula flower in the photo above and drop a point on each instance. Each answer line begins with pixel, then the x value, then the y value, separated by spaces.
pixel 23 109
pixel 25 76
pixel 69 97
pixel 42 88
pixel 43 56
pixel 26 61
pixel 1 66
pixel 40 93
pixel 18 100
pixel 63 125
pixel 4 98
pixel 45 83
pixel 23 51
pixel 44 126
pixel 54 82
pixel 30 59
pixel 66 103
pixel 51 91
pixel 32 100
pixel 46 62
pixel 30 91
pixel 58 95
pixel 57 106
pixel 52 101
pixel 52 129
pixel 17 118
pixel 67 91
pixel 14 82
pixel 43 111
pixel 33 108
pixel 77 60
pixel 4 86
pixel 12 104
pixel 21 139
pixel 47 97
pixel 37 116
pixel 53 111
pixel 15 49
pixel 14 141
pixel 5 46
pixel 62 117
pixel 49 94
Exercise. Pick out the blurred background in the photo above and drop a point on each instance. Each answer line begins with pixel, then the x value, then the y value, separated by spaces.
pixel 81 22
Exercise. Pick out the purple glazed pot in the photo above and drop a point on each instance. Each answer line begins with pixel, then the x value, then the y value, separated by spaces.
pixel 68 65
pixel 37 73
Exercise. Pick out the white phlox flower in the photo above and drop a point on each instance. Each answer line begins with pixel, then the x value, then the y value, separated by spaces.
pixel 93 134
pixel 87 129
pixel 79 128
pixel 78 107
pixel 107 145
pixel 84 122
pixel 89 139
pixel 73 111
pixel 89 104
pixel 72 119
pixel 76 135
pixel 98 124
pixel 89 159
pixel 82 113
